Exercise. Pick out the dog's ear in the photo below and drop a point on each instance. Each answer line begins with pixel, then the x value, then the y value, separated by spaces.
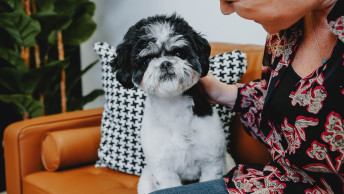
pixel 202 48
pixel 121 65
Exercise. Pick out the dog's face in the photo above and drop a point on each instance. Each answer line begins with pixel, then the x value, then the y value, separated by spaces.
pixel 162 55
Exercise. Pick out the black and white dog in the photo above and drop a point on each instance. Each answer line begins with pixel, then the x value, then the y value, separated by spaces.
pixel 182 136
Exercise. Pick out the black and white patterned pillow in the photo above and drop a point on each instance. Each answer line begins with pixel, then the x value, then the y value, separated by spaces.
pixel 120 148
pixel 227 67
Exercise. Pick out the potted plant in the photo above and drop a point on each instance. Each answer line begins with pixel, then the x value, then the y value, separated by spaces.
pixel 40 59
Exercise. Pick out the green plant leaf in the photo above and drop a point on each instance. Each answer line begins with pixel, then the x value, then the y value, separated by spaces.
pixel 77 104
pixel 52 38
pixel 6 5
pixel 13 58
pixel 24 104
pixel 45 5
pixel 10 5
pixel 39 79
pixel 82 26
pixel 77 77
pixel 79 31
pixel 14 81
pixel 51 21
pixel 85 7
pixel 68 6
pixel 21 27
pixel 10 80
pixel 20 85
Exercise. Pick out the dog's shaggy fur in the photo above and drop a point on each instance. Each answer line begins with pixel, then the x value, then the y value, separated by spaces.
pixel 182 136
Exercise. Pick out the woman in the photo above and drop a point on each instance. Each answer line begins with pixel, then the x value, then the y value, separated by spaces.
pixel 297 108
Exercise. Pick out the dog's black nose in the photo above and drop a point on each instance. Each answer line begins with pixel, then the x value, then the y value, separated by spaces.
pixel 166 65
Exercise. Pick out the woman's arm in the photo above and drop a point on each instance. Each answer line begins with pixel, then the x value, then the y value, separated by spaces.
pixel 246 99
pixel 218 92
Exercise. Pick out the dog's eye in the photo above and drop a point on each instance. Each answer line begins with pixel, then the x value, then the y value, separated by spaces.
pixel 179 54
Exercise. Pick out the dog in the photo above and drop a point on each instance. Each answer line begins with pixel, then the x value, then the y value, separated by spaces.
pixel 181 135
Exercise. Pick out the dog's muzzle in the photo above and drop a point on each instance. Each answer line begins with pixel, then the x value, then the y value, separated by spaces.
pixel 167 71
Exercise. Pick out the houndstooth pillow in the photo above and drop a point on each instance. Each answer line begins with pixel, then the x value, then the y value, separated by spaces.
pixel 120 147
pixel 228 68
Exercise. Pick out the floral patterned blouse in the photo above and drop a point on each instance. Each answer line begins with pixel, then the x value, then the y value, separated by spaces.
pixel 306 140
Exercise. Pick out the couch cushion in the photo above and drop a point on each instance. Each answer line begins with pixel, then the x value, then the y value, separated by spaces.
pixel 82 180
pixel 120 147
pixel 68 148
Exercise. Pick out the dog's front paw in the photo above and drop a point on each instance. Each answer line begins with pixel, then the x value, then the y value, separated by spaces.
pixel 213 170
pixel 152 180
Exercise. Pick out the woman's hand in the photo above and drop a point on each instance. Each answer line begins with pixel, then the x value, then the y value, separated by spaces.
pixel 218 92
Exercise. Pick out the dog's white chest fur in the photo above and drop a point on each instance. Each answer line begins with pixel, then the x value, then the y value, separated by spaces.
pixel 179 145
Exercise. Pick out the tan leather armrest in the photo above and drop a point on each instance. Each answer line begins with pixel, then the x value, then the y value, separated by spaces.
pixel 22 142
pixel 68 148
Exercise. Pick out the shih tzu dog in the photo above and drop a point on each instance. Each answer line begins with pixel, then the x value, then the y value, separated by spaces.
pixel 182 135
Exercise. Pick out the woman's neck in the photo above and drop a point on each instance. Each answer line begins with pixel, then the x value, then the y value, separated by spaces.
pixel 316 45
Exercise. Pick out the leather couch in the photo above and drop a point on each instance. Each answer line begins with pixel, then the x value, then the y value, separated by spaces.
pixel 56 154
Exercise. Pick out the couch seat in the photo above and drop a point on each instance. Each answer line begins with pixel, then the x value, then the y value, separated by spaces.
pixel 84 180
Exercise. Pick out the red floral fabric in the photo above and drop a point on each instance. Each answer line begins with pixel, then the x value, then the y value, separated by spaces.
pixel 307 144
